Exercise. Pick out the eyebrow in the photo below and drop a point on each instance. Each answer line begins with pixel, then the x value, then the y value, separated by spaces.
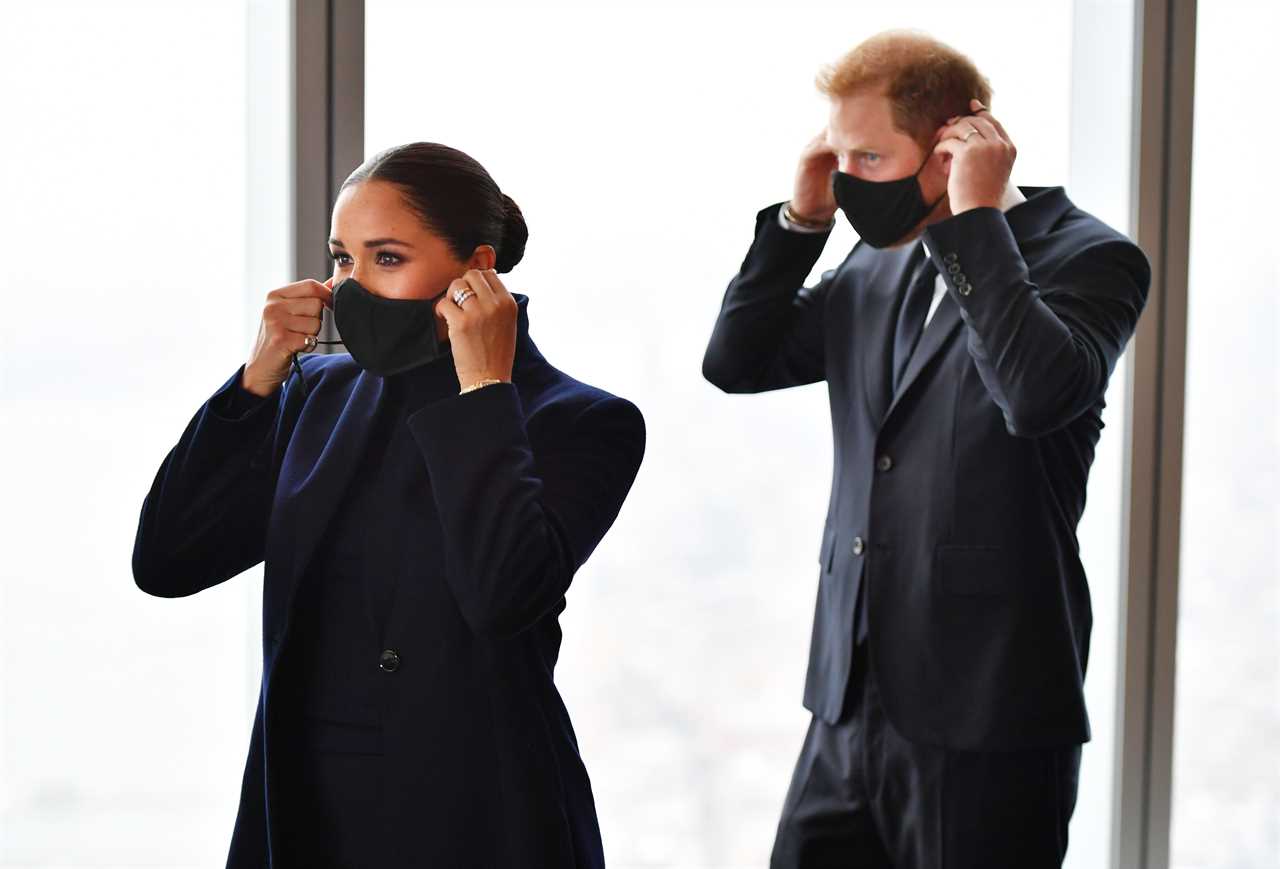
pixel 374 242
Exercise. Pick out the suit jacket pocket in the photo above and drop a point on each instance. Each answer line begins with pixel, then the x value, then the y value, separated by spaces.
pixel 973 570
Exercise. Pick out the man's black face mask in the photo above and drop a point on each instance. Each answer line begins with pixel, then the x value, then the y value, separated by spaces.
pixel 386 336
pixel 881 212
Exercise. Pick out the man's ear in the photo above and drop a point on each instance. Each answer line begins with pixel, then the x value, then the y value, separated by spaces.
pixel 483 257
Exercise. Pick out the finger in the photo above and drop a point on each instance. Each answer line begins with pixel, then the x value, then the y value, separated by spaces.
pixel 311 307
pixel 304 289
pixel 985 113
pixel 478 281
pixel 461 285
pixel 306 325
pixel 452 314
pixel 295 342
pixel 949 146
pixel 986 129
pixel 958 131
pixel 499 288
pixel 819 144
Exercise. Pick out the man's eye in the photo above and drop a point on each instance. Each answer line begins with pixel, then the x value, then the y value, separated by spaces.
pixel 871 158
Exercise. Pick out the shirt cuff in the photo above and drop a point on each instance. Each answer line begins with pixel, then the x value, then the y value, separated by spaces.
pixel 799 227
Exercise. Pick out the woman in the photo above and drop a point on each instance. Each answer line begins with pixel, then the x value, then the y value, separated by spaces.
pixel 421 504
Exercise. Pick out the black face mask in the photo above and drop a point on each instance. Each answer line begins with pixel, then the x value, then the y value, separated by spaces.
pixel 386 336
pixel 881 212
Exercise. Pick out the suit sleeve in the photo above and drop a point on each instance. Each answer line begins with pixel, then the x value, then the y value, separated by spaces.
pixel 1044 353
pixel 205 518
pixel 519 520
pixel 769 331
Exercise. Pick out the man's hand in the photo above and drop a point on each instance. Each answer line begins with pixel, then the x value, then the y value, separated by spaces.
pixel 813 199
pixel 982 157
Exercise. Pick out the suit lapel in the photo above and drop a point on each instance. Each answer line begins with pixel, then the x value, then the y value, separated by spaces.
pixel 877 309
pixel 943 324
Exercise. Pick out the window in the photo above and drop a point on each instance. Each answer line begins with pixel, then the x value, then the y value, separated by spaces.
pixel 1226 763
pixel 132 254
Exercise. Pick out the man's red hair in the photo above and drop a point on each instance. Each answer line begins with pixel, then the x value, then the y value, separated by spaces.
pixel 925 80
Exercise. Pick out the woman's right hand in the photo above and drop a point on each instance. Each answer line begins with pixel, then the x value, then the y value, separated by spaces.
pixel 291 314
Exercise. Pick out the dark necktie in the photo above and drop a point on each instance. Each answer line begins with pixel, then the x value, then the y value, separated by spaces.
pixel 911 317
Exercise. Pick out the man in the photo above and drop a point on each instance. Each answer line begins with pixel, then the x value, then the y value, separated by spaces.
pixel 966 342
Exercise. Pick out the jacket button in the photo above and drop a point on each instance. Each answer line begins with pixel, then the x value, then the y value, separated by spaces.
pixel 858 546
pixel 953 267
pixel 389 660
pixel 884 463
pixel 950 258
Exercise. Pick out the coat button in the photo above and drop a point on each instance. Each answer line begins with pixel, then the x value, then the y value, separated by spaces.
pixel 965 288
pixel 858 546
pixel 950 258
pixel 953 268
pixel 389 660
pixel 884 463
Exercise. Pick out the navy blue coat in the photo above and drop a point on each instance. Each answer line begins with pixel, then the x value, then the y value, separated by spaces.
pixel 954 499
pixel 524 480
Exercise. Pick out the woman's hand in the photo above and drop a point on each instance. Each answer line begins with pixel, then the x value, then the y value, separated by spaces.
pixel 292 314
pixel 482 332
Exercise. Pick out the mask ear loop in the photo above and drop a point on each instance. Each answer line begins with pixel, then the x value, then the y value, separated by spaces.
pixel 935 202
pixel 297 369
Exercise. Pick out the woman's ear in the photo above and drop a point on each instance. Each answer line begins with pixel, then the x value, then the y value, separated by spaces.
pixel 483 257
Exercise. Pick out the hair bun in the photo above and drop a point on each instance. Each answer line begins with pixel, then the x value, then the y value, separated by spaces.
pixel 514 235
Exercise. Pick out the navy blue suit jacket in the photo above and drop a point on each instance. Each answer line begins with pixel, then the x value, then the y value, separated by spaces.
pixel 956 498
pixel 525 479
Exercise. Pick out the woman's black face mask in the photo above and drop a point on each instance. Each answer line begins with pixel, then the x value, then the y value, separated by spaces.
pixel 384 336
pixel 881 212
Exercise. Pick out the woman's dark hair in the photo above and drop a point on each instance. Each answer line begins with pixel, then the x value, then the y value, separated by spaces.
pixel 454 196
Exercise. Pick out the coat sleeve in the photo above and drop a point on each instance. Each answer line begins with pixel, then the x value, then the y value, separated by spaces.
pixel 520 519
pixel 1044 352
pixel 205 518
pixel 769 331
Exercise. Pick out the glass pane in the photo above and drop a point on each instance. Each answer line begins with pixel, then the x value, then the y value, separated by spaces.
pixel 124 718
pixel 640 140
pixel 1226 765
pixel 1100 130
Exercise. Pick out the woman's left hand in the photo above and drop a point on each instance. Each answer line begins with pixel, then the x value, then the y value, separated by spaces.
pixel 482 332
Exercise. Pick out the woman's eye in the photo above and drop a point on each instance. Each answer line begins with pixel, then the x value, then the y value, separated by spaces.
pixel 871 158
pixel 390 258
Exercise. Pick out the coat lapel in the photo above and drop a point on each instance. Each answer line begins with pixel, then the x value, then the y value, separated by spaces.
pixel 323 465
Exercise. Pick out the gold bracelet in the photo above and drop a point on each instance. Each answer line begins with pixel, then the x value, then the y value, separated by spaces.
pixel 488 381
pixel 805 222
